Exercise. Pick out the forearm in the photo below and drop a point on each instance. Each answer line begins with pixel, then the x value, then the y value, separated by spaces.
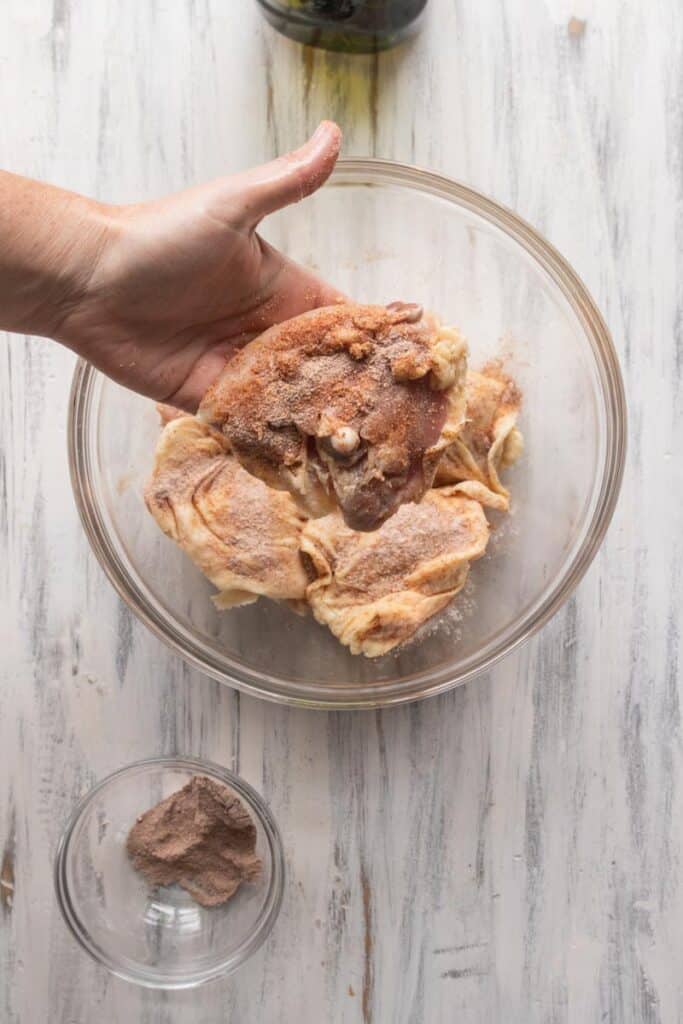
pixel 50 243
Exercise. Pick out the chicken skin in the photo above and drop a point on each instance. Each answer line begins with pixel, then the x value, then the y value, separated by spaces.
pixel 241 534
pixel 374 590
pixel 488 442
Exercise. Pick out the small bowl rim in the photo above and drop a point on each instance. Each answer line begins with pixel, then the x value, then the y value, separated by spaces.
pixel 432 682
pixel 127 969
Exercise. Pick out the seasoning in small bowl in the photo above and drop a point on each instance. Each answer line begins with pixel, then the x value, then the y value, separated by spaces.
pixel 170 872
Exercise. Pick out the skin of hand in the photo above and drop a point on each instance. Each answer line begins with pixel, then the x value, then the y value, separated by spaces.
pixel 157 295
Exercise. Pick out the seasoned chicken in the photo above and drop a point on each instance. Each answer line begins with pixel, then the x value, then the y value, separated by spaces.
pixel 374 590
pixel 347 407
pixel 489 440
pixel 240 533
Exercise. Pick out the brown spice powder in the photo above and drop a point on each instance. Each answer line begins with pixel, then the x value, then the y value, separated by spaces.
pixel 202 838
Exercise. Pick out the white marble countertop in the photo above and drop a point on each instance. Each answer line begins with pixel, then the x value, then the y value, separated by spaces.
pixel 510 852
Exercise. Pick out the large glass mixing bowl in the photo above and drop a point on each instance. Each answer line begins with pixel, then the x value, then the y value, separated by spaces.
pixel 382 231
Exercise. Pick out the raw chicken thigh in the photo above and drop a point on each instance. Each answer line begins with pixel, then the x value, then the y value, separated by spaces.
pixel 488 442
pixel 347 407
pixel 240 533
pixel 373 590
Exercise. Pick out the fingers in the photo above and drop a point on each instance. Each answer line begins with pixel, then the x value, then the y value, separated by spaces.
pixel 289 178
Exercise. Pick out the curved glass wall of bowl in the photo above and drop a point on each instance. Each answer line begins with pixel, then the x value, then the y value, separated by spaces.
pixel 382 232
pixel 354 26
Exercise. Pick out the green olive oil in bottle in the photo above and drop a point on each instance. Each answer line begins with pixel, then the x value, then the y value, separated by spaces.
pixel 356 26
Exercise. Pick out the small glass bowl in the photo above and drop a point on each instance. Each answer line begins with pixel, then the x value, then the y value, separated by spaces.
pixel 159 937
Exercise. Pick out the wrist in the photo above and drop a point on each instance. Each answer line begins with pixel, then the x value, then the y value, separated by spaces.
pixel 51 243
pixel 82 241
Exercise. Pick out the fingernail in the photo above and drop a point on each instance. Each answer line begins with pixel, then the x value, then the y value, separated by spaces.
pixel 327 128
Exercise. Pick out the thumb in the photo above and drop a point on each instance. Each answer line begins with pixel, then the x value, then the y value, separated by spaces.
pixel 287 179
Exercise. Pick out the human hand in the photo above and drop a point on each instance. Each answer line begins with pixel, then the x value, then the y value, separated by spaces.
pixel 177 283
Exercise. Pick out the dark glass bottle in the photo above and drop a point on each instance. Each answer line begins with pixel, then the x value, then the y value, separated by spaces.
pixel 357 26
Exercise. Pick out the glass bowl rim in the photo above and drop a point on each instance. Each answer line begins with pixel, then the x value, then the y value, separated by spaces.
pixel 372 171
pixel 128 969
